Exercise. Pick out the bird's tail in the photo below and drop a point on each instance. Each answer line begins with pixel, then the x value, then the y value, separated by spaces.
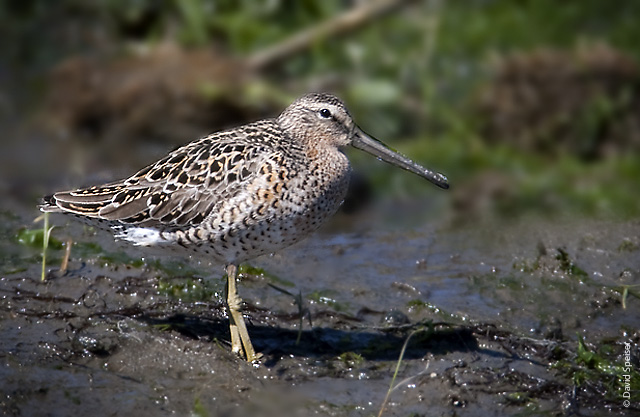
pixel 85 202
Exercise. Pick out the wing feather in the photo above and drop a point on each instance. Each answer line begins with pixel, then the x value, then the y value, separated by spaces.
pixel 182 188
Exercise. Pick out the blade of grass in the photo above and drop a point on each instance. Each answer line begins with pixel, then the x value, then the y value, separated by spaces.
pixel 45 244
pixel 395 373
pixel 302 311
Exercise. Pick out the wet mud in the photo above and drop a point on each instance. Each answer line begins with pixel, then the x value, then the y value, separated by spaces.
pixel 495 321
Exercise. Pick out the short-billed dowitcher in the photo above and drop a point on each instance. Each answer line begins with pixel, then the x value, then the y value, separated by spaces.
pixel 240 193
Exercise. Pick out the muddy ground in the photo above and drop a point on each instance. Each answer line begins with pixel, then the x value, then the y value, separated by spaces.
pixel 495 314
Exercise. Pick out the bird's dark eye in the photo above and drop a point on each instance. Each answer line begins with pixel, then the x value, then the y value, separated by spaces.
pixel 325 113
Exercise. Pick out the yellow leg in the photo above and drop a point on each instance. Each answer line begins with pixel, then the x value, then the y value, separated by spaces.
pixel 236 344
pixel 239 334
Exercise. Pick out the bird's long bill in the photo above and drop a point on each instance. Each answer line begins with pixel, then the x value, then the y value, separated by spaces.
pixel 373 146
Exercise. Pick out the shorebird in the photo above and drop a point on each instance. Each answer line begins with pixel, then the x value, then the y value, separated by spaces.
pixel 240 193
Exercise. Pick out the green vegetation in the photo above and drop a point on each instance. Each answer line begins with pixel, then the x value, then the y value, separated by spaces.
pixel 602 370
pixel 413 78
pixel 246 269
pixel 569 266
pixel 39 238
pixel 351 359
pixel 565 264
pixel 327 297
pixel 626 291
pixel 199 410
pixel 34 238
pixel 627 246
pixel 186 289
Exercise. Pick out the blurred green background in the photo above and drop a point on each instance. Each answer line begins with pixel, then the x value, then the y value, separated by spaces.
pixel 527 106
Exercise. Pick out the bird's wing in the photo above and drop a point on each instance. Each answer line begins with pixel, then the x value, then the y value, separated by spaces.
pixel 182 188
